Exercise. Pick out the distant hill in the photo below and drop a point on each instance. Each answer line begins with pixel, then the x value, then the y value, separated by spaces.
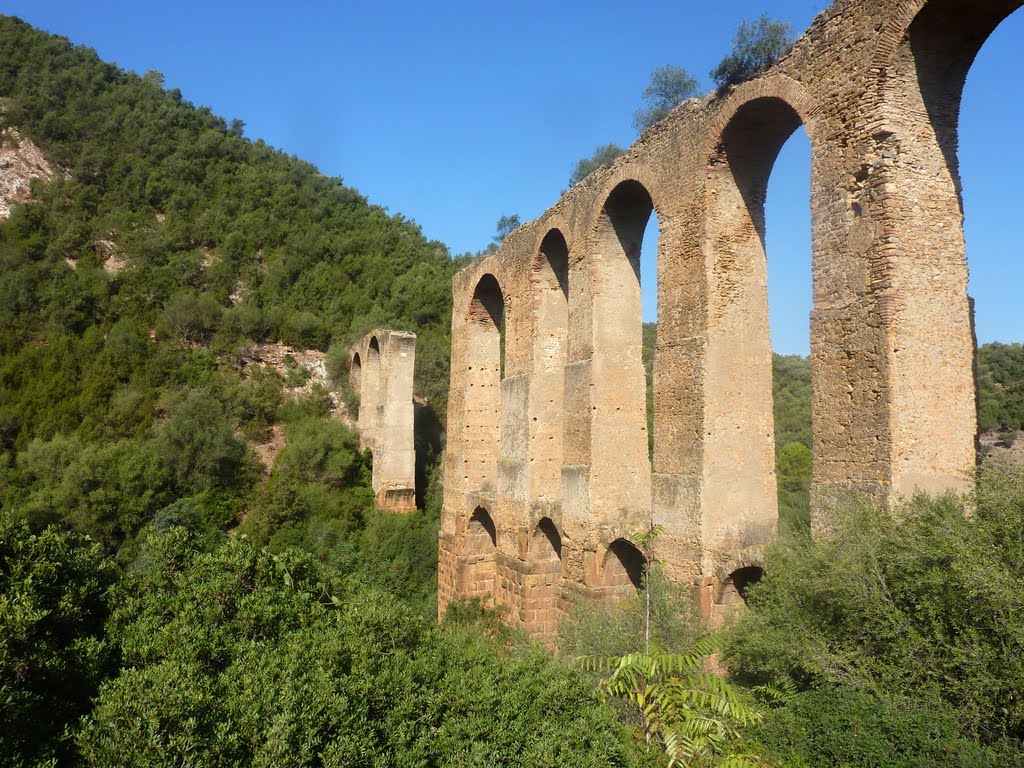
pixel 151 256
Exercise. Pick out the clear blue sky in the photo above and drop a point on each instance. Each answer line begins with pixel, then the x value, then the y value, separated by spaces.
pixel 453 113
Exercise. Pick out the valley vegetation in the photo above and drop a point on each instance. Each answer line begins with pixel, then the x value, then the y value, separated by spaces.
pixel 173 593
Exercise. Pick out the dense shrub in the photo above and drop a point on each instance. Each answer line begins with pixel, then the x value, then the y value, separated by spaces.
pixel 241 658
pixel 920 607
pixel 838 725
pixel 53 652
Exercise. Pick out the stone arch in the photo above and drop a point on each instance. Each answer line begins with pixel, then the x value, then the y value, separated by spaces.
pixel 483 383
pixel 620 480
pixel 622 569
pixel 546 542
pixel 355 372
pixel 477 556
pixel 370 396
pixel 733 589
pixel 543 579
pixel 923 56
pixel 755 122
pixel 550 334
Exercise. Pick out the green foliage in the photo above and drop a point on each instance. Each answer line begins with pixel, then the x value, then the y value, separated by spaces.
pixel 669 87
pixel 693 715
pixel 53 653
pixel 122 394
pixel 649 341
pixel 619 628
pixel 757 46
pixel 237 657
pixel 791 399
pixel 505 226
pixel 198 445
pixel 604 155
pixel 917 607
pixel 188 317
pixel 1000 374
pixel 839 725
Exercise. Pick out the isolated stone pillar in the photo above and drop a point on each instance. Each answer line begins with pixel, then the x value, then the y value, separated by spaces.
pixel 382 367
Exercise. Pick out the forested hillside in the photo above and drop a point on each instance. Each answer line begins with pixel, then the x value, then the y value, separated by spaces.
pixel 192 571
pixel 135 285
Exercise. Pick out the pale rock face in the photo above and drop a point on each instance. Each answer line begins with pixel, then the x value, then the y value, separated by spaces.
pixel 21 161
pixel 547 480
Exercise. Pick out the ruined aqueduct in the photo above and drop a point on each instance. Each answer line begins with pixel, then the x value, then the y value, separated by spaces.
pixel 381 366
pixel 547 476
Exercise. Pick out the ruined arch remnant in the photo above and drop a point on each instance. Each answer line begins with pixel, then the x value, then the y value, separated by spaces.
pixel 546 415
pixel 381 367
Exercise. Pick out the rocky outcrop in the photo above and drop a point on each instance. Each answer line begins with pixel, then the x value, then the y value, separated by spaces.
pixel 21 161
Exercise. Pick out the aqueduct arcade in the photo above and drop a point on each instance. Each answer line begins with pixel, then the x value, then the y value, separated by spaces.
pixel 547 476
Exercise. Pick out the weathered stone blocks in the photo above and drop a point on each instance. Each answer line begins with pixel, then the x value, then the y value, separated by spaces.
pixel 546 414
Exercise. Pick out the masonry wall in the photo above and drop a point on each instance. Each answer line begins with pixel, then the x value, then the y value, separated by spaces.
pixel 381 370
pixel 876 85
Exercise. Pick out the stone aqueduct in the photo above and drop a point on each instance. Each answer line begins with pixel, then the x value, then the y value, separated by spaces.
pixel 381 366
pixel 547 477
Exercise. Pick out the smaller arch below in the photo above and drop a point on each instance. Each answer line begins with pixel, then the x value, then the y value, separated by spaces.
pixel 481 534
pixel 546 542
pixel 734 589
pixel 623 565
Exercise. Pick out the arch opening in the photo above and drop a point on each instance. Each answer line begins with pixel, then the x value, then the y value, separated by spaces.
pixel 932 353
pixel 550 284
pixel 546 543
pixel 487 310
pixel 619 394
pixel 355 373
pixel 940 46
pixel 481 534
pixel 476 563
pixel 623 566
pixel 740 358
pixel 483 384
pixel 370 397
pixel 790 298
pixel 988 120
pixel 735 588
pixel 990 197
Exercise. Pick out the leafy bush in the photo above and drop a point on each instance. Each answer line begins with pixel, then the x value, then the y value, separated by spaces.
pixel 242 658
pixel 918 607
pixel 669 87
pixel 604 155
pixel 53 652
pixel 839 725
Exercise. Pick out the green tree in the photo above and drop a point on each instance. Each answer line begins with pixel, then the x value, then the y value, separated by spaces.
pixel 602 156
pixel 669 87
pixel 53 652
pixel 188 317
pixel 693 715
pixel 198 444
pixel 237 657
pixel 506 224
pixel 757 46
